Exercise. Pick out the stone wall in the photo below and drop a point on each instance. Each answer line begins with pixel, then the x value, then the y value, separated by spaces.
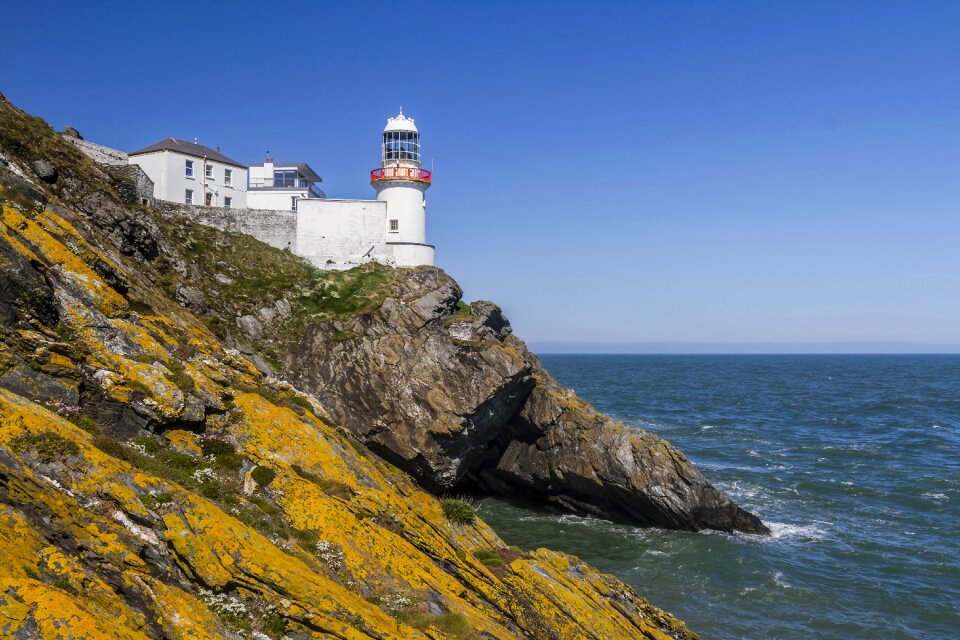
pixel 275 228
pixel 98 152
pixel 137 188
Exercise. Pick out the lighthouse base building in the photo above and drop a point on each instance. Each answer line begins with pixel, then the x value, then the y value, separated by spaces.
pixel 281 204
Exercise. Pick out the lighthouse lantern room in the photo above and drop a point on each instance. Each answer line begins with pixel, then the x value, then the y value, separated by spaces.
pixel 401 183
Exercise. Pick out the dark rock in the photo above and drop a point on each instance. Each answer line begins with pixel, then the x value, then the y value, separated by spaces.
pixel 132 233
pixel 20 187
pixel 45 170
pixel 39 386
pixel 191 298
pixel 460 402
pixel 70 132
pixel 26 298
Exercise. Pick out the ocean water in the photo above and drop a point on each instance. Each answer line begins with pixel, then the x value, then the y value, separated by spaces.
pixel 852 461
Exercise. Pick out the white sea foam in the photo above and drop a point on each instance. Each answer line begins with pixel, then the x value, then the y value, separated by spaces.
pixel 778 578
pixel 782 530
pixel 936 496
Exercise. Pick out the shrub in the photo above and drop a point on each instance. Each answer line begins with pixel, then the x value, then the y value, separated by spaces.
pixel 489 558
pixel 82 421
pixel 263 475
pixel 48 446
pixel 149 444
pixel 458 511
pixel 223 452
pixel 180 377
pixel 274 624
pixel 153 500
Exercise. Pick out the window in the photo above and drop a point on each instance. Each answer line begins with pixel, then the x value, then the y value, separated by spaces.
pixel 189 169
pixel 228 177
pixel 227 202
pixel 188 196
pixel 293 203
pixel 209 172
pixel 401 145
pixel 394 225
pixel 285 179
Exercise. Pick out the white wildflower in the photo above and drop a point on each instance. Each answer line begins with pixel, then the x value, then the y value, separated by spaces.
pixel 203 475
pixel 223 604
pixel 330 554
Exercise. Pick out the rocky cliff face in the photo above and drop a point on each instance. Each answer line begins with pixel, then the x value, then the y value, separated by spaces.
pixel 447 392
pixel 156 482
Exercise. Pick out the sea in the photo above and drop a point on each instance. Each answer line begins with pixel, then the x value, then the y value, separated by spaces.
pixel 853 461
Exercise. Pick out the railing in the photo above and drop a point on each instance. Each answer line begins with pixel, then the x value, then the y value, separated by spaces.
pixel 270 183
pixel 400 173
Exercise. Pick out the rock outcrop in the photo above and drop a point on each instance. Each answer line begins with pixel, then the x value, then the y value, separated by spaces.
pixel 448 393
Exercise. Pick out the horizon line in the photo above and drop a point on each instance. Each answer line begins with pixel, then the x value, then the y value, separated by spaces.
pixel 744 348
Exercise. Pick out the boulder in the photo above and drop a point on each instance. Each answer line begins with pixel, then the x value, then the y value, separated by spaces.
pixel 44 170
pixel 192 298
pixel 250 326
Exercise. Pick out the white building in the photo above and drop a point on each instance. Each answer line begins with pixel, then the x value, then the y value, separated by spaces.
pixel 280 186
pixel 193 174
pixel 281 204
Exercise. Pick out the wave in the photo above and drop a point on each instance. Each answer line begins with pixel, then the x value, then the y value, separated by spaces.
pixel 783 530
pixel 936 496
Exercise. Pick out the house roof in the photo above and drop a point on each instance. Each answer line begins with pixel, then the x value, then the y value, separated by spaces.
pixel 302 167
pixel 189 149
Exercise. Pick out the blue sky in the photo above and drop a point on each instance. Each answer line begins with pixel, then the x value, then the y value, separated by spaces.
pixel 692 176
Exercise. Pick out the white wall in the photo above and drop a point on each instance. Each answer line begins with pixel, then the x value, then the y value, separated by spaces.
pixel 412 255
pixel 340 234
pixel 167 169
pixel 407 205
pixel 278 199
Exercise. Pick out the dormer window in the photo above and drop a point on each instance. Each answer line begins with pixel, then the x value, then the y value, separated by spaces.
pixel 188 169
pixel 209 172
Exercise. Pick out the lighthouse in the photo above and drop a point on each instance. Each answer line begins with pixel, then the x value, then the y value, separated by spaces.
pixel 402 184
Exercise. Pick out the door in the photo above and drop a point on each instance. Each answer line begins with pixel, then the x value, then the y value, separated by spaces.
pixel 209 199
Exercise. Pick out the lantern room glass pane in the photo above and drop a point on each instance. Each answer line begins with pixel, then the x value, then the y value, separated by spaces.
pixel 401 145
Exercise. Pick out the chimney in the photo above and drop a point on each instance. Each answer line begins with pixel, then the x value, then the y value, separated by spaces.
pixel 218 149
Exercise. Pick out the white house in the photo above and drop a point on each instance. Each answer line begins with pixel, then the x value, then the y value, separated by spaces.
pixel 191 173
pixel 281 186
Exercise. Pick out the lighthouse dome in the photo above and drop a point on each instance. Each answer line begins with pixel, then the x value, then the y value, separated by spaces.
pixel 400 123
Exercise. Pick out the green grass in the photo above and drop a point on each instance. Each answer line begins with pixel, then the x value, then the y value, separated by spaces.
pixel 458 511
pixel 450 623
pixel 27 138
pixel 261 275
pixel 329 487
pixel 47 445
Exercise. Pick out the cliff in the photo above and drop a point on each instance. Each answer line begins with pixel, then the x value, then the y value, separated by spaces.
pixel 160 479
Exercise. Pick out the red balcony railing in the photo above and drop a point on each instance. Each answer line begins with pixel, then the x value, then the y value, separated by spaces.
pixel 400 173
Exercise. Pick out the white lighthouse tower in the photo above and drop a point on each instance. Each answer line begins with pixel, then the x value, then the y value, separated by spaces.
pixel 401 183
